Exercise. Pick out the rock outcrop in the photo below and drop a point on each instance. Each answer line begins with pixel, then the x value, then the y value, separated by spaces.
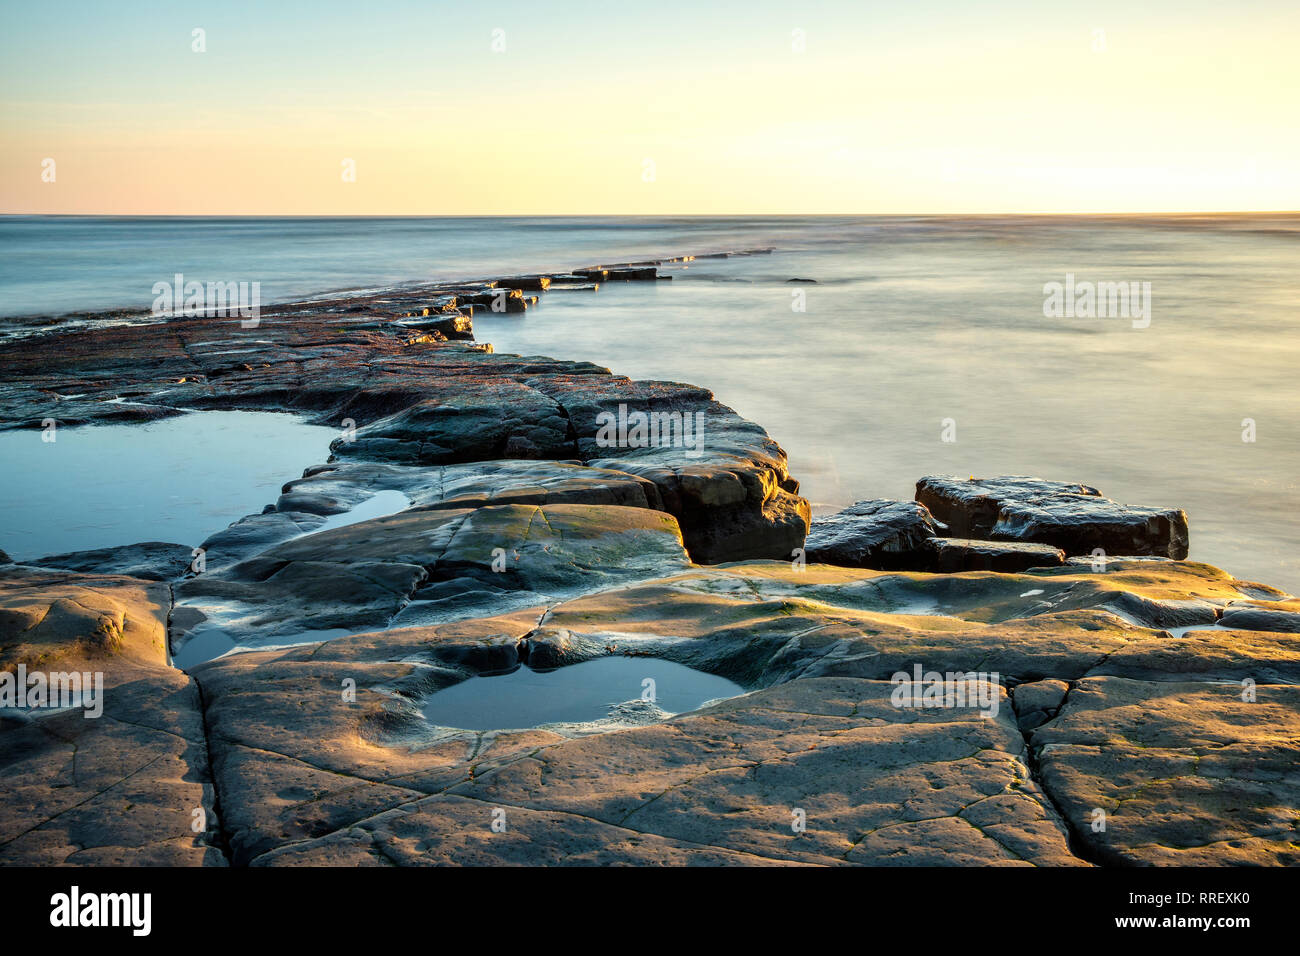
pixel 966 554
pixel 820 732
pixel 1075 518
pixel 119 777
pixel 887 535
pixel 149 560
pixel 881 534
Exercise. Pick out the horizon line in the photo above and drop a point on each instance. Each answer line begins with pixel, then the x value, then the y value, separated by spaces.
pixel 656 215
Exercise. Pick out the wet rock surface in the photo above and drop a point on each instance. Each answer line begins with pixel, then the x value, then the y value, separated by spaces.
pixel 888 535
pixel 881 534
pixel 150 560
pixel 423 401
pixel 430 564
pixel 1073 517
pixel 966 554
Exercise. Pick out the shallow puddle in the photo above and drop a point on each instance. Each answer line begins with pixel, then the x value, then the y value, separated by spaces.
pixel 176 480
pixel 379 505
pixel 578 693
pixel 209 641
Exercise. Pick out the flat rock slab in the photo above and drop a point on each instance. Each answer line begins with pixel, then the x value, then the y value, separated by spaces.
pixel 1184 774
pixel 465 562
pixel 871 783
pixel 254 534
pixel 149 560
pixel 120 788
pixel 763 623
pixel 467 421
pixel 1072 517
pixel 321 753
pixel 345 484
pixel 966 554
pixel 882 534
pixel 876 783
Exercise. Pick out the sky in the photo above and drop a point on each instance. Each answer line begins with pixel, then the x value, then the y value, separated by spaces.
pixel 572 108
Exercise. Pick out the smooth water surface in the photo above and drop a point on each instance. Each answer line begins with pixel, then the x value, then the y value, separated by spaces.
pixel 573 694
pixel 178 480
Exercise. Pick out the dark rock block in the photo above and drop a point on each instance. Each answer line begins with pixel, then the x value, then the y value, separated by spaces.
pixel 451 325
pixel 573 282
pixel 534 283
pixel 722 477
pixel 1073 517
pixel 970 507
pixel 965 554
pixel 1248 618
pixel 149 560
pixel 1082 524
pixel 623 274
pixel 882 534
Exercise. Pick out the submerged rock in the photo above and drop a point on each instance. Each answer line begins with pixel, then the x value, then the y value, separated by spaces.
pixel 1073 517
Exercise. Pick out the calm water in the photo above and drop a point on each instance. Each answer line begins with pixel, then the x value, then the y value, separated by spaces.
pixel 577 693
pixel 178 480
pixel 911 321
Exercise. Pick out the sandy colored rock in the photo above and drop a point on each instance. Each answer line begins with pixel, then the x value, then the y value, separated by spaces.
pixel 1187 774
pixel 120 788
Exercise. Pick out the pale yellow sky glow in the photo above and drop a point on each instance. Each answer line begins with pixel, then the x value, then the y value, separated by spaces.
pixel 1009 112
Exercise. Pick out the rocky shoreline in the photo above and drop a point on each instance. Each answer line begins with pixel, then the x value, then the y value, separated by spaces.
pixel 1137 708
